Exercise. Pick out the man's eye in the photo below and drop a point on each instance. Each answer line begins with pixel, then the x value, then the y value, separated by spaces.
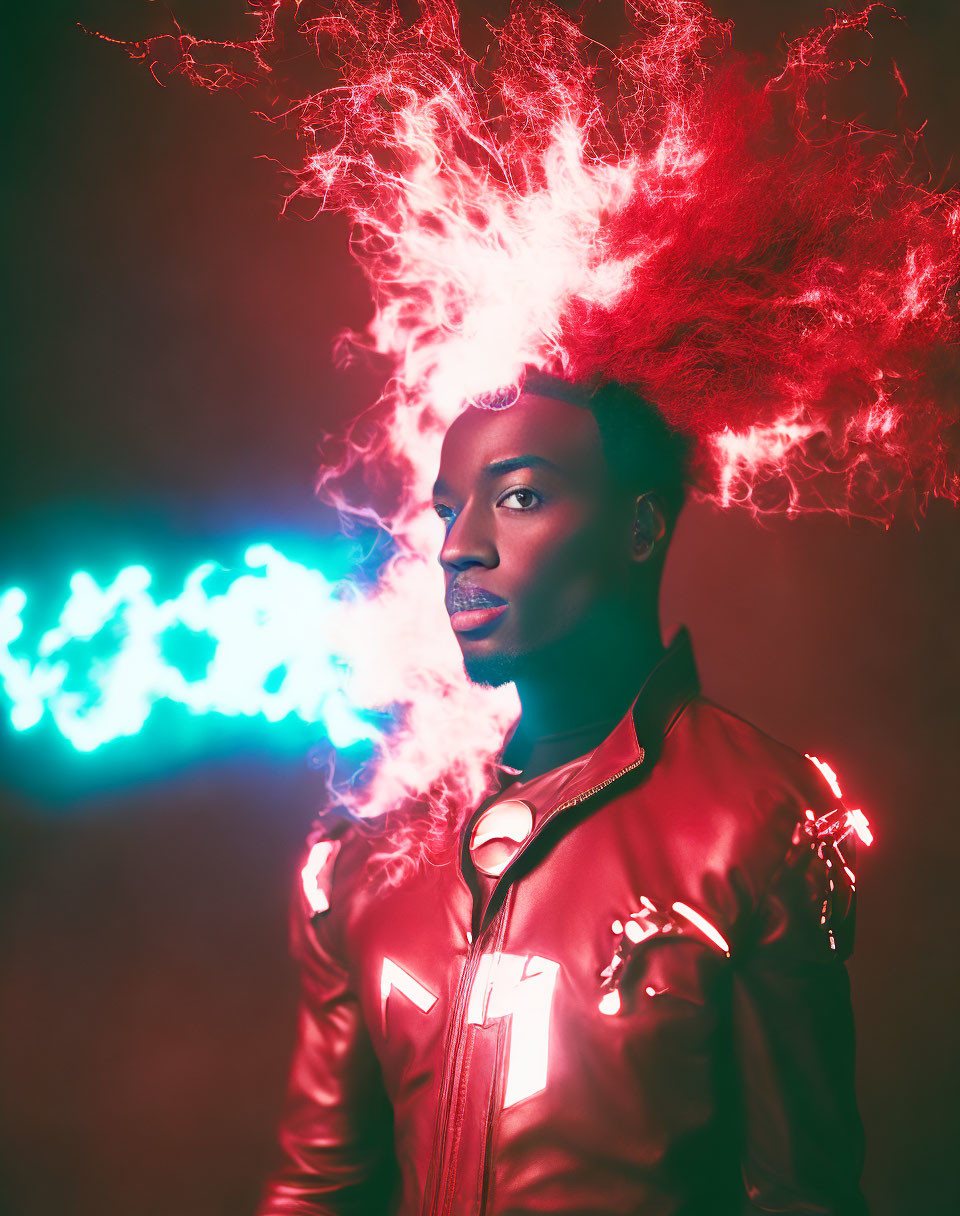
pixel 445 512
pixel 522 498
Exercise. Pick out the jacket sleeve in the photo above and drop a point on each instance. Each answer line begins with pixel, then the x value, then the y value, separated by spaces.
pixel 801 1136
pixel 336 1130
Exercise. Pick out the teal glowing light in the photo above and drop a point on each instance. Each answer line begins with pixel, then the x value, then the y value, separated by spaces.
pixel 261 644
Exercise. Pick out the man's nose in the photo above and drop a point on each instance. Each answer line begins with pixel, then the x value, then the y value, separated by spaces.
pixel 468 542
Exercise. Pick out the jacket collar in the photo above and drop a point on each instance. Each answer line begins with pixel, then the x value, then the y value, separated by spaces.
pixel 635 741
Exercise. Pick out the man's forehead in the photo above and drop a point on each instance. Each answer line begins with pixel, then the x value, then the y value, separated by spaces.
pixel 560 432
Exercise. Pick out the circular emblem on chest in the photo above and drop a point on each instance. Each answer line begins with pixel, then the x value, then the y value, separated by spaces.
pixel 499 834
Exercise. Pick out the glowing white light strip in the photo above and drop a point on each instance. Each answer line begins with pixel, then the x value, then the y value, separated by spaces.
pixel 829 775
pixel 317 893
pixel 392 975
pixel 521 988
pixel 858 821
pixel 701 922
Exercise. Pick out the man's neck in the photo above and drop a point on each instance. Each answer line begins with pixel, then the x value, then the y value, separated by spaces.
pixel 574 692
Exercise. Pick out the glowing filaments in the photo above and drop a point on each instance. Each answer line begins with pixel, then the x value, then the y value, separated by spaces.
pixel 742 456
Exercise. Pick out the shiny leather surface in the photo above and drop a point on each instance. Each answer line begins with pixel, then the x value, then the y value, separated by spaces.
pixel 728 1090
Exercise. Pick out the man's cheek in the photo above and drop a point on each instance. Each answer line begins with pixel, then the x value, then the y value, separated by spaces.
pixel 562 604
pixel 557 580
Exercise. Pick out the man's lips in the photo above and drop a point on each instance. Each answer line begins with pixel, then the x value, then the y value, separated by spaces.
pixel 469 619
pixel 471 607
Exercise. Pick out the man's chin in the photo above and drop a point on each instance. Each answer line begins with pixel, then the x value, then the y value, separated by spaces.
pixel 491 670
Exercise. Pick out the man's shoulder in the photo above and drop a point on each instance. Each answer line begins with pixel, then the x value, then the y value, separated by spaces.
pixel 338 858
pixel 736 755
pixel 737 792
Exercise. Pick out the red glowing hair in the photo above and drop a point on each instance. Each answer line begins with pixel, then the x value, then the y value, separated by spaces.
pixel 782 285
pixel 649 209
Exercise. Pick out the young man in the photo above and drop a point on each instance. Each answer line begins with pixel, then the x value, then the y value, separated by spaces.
pixel 625 992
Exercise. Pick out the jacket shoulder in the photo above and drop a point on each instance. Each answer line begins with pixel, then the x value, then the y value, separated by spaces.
pixel 333 873
pixel 747 761
pixel 802 837
pixel 745 799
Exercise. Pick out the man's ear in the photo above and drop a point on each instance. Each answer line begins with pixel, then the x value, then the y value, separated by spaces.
pixel 649 526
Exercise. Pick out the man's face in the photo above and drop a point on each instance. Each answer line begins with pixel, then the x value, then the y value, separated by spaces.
pixel 536 541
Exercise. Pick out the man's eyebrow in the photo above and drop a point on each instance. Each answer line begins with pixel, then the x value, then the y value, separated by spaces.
pixel 512 463
pixel 499 467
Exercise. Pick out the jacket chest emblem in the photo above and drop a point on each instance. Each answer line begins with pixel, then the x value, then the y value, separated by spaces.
pixel 518 987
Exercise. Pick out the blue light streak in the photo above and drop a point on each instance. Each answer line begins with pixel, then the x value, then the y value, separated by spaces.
pixel 264 638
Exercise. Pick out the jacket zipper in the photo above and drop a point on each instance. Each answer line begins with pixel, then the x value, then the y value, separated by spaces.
pixel 493 1111
pixel 449 1112
pixel 595 789
pixel 459 1090
pixel 451 1074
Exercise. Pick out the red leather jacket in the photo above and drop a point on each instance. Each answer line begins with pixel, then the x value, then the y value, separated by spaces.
pixel 651 1017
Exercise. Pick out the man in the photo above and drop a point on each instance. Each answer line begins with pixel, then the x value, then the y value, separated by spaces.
pixel 625 991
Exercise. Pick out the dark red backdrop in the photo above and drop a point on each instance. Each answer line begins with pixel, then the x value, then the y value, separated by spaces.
pixel 170 374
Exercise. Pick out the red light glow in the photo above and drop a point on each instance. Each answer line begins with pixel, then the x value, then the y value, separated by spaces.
pixel 858 821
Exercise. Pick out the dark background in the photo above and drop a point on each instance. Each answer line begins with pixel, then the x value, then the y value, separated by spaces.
pixel 168 378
